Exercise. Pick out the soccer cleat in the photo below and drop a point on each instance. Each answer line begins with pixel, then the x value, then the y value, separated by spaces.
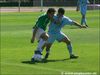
pixel 73 56
pixel 33 60
pixel 87 26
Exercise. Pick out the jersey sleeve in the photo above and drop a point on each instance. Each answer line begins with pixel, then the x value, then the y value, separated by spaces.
pixel 67 21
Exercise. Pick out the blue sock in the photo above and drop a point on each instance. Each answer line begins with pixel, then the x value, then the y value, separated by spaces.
pixel 84 21
pixel 69 49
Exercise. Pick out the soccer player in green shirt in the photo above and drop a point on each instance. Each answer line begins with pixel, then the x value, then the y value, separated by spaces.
pixel 39 30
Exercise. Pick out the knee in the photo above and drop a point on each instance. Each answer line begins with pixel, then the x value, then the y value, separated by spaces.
pixel 68 41
pixel 45 36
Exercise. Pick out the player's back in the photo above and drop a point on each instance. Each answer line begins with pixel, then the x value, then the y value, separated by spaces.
pixel 42 21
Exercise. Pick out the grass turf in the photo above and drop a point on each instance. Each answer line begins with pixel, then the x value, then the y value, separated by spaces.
pixel 16 30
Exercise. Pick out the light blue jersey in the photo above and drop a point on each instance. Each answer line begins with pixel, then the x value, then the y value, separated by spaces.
pixel 55 30
pixel 83 6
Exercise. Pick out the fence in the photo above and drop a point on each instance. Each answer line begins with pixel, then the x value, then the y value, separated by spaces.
pixel 31 3
pixel 45 3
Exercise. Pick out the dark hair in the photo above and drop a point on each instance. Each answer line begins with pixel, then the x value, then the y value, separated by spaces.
pixel 61 10
pixel 51 10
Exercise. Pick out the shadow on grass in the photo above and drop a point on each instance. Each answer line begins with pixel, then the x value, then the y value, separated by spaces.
pixel 44 61
pixel 28 62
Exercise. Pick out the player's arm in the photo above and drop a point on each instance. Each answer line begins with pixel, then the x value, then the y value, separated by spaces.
pixel 68 21
pixel 77 8
pixel 33 35
pixel 77 24
pixel 36 28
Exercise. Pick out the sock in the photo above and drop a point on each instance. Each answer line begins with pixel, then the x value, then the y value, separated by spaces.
pixel 47 51
pixel 85 21
pixel 69 49
pixel 82 21
pixel 40 44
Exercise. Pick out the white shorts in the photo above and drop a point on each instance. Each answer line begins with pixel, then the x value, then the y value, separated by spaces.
pixel 39 33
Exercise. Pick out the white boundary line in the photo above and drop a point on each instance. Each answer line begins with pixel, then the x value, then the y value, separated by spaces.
pixel 33 66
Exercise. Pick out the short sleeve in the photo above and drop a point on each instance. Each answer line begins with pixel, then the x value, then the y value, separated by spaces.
pixel 67 21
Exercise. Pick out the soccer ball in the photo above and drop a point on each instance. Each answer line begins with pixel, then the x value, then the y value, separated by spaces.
pixel 38 57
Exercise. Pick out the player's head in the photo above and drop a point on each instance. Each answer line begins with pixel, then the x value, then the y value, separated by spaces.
pixel 51 12
pixel 61 11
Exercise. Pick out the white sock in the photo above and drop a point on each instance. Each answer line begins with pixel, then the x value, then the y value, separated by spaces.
pixel 40 44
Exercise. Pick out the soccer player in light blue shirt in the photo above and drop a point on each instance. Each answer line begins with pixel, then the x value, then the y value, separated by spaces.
pixel 82 6
pixel 55 32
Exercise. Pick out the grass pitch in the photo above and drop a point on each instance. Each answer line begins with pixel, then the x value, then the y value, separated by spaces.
pixel 16 31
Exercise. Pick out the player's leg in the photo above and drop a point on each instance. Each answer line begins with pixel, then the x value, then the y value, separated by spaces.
pixel 48 46
pixel 69 46
pixel 44 46
pixel 42 41
pixel 83 13
pixel 42 36
pixel 50 41
pixel 65 39
pixel 83 20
